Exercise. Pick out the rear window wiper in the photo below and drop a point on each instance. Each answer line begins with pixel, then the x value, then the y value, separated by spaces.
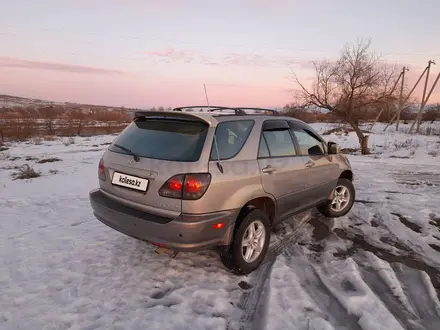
pixel 135 157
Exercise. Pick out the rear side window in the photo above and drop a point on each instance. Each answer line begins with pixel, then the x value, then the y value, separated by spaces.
pixel 279 143
pixel 263 151
pixel 231 137
pixel 171 140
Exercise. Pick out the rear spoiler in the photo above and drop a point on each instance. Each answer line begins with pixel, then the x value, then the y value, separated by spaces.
pixel 192 116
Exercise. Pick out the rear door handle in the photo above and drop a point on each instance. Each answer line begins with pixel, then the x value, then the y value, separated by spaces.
pixel 269 169
pixel 310 164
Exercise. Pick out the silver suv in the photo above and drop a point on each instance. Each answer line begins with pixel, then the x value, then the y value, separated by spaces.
pixel 215 177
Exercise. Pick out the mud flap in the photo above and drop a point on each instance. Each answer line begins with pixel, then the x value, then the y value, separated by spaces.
pixel 332 194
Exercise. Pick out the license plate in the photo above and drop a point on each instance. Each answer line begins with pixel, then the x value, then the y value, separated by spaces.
pixel 130 181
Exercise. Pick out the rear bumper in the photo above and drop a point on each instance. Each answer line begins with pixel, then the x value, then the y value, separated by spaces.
pixel 188 232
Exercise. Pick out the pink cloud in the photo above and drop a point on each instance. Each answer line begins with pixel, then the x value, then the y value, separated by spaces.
pixel 10 62
pixel 172 55
pixel 228 59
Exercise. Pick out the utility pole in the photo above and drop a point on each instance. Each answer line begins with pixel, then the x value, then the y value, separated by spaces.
pixel 407 98
pixel 426 101
pixel 392 91
pixel 422 106
pixel 404 69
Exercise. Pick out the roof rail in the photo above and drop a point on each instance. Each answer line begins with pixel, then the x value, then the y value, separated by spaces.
pixel 238 111
pixel 272 111
pixel 212 108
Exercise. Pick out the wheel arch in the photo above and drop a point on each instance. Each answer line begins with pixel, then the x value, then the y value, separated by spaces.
pixel 346 174
pixel 266 203
pixel 263 203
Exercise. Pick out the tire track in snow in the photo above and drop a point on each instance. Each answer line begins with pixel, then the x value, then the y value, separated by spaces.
pixel 403 290
pixel 312 284
pixel 344 280
pixel 250 301
pixel 419 290
pixel 259 321
pixel 391 293
pixel 406 291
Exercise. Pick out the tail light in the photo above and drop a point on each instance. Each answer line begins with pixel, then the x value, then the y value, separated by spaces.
pixel 101 170
pixel 173 188
pixel 186 186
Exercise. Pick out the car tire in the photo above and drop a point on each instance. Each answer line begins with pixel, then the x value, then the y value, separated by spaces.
pixel 330 209
pixel 234 257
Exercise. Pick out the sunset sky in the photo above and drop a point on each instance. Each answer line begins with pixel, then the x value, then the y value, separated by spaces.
pixel 142 53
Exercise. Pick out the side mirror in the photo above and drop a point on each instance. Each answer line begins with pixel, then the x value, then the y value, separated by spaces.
pixel 333 148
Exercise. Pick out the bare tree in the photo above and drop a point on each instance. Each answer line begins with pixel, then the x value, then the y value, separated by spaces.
pixel 294 107
pixel 437 108
pixel 3 123
pixel 49 115
pixel 23 124
pixel 351 86
pixel 432 114
pixel 77 119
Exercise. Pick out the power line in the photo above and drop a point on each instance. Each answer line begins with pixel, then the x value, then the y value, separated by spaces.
pixel 158 38
pixel 212 58
pixel 149 38
pixel 251 59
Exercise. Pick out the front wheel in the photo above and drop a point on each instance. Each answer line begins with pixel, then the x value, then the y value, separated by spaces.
pixel 342 202
pixel 250 243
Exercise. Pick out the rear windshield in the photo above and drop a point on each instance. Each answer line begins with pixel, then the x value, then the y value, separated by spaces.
pixel 172 140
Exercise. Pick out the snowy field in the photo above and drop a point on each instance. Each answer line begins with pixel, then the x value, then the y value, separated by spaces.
pixel 376 268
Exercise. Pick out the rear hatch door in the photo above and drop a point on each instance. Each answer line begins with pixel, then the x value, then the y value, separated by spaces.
pixel 147 154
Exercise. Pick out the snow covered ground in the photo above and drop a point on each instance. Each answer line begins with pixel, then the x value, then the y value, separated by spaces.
pixel 376 268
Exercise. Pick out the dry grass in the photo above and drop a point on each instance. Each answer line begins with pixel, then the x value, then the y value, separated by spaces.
pixel 424 130
pixel 69 141
pixel 430 130
pixel 49 160
pixel 25 172
pixel 410 145
pixel 342 130
pixel 406 144
pixel 50 137
pixel 37 141
pixel 4 155
pixel 337 131
pixel 10 167
pixel 18 124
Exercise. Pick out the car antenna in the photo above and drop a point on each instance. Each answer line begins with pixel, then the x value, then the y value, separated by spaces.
pixel 220 168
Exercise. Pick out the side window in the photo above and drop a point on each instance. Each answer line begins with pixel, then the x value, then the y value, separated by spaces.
pixel 308 143
pixel 279 143
pixel 231 137
pixel 263 151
